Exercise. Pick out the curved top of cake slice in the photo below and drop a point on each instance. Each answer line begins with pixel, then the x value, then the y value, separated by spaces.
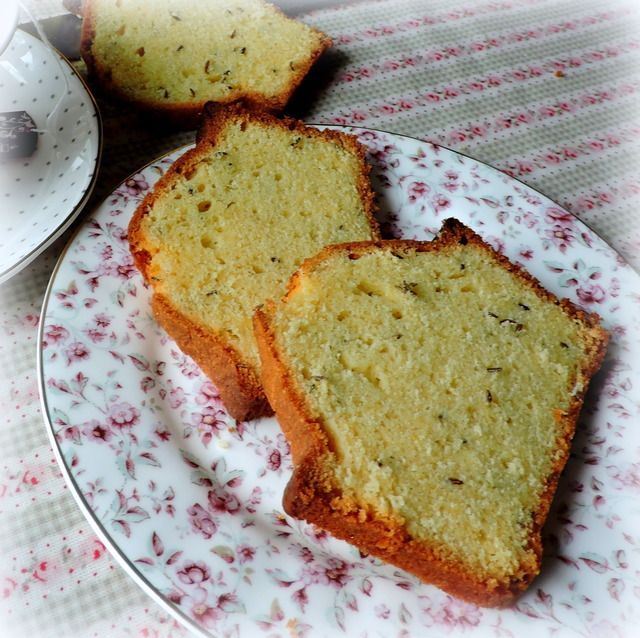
pixel 429 391
pixel 175 55
pixel 233 218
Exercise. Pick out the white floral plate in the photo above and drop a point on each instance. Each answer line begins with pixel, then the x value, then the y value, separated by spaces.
pixel 190 501
pixel 41 195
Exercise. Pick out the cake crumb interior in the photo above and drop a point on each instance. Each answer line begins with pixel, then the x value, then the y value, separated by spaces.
pixel 190 51
pixel 229 234
pixel 437 377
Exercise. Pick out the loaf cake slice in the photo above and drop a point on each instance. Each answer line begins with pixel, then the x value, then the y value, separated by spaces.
pixel 429 391
pixel 231 220
pixel 172 56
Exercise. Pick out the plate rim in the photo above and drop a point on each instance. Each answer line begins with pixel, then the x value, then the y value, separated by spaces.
pixel 106 538
pixel 98 529
pixel 26 259
pixel 619 256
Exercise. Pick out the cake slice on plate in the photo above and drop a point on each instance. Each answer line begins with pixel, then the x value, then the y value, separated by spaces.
pixel 429 391
pixel 231 220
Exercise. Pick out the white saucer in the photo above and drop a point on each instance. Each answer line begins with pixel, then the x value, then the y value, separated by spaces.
pixel 41 195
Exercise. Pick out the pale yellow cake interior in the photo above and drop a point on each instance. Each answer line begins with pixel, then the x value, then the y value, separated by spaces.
pixel 437 376
pixel 230 232
pixel 189 51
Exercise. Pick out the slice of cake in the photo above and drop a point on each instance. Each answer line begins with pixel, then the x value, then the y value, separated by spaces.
pixel 429 391
pixel 173 56
pixel 228 224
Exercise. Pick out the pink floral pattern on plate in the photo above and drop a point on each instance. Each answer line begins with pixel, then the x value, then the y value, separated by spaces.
pixel 190 501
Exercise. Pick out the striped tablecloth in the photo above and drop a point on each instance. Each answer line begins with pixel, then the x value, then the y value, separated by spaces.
pixel 546 90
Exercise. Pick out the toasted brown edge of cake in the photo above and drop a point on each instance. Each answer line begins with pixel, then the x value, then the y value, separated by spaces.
pixel 310 494
pixel 237 380
pixel 187 115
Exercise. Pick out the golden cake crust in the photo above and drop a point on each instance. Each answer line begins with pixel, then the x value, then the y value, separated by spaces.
pixel 237 381
pixel 187 114
pixel 311 494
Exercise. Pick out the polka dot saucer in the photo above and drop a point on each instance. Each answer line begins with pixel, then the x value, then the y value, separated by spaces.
pixel 41 195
